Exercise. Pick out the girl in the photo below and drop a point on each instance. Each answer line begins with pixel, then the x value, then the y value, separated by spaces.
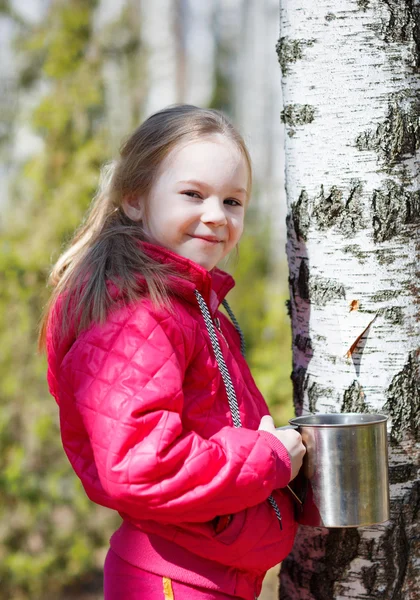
pixel 160 417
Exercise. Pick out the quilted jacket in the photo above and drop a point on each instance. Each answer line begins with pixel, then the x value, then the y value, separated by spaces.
pixel 146 425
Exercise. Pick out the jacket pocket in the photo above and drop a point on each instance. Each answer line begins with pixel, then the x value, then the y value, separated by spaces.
pixel 233 529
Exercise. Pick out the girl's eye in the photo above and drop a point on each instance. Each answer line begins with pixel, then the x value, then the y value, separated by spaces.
pixel 197 195
pixel 192 194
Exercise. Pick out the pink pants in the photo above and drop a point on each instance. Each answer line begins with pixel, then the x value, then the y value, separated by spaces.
pixel 123 581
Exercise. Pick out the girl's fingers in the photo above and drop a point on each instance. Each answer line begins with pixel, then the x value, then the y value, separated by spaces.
pixel 267 423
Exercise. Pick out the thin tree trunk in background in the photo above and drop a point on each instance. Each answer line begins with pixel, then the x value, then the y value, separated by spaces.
pixel 179 26
pixel 351 80
pixel 160 50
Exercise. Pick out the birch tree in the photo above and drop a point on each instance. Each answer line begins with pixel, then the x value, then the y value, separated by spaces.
pixel 351 79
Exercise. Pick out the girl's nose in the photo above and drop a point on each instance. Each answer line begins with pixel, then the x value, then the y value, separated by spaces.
pixel 213 212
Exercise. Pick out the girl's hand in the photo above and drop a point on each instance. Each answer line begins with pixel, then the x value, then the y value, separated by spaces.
pixel 291 440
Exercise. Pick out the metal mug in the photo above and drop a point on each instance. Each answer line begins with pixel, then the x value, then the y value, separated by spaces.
pixel 343 481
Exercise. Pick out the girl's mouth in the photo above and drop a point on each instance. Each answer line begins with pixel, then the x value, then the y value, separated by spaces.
pixel 210 240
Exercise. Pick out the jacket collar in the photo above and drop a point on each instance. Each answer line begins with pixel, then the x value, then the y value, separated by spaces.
pixel 213 285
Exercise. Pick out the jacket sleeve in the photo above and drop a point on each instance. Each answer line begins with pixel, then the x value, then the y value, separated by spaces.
pixel 127 379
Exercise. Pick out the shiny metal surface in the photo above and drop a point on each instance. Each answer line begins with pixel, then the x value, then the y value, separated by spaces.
pixel 344 477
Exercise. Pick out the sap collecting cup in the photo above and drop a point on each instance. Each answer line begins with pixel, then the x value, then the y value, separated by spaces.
pixel 343 481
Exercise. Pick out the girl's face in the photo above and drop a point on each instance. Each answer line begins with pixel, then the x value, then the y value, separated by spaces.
pixel 196 206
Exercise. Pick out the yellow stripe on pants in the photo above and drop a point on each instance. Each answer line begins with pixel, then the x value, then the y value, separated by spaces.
pixel 168 592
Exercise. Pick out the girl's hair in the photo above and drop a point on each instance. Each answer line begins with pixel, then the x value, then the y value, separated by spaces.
pixel 105 248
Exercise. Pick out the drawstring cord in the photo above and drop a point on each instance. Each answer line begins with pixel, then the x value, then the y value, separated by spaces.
pixel 230 390
pixel 236 325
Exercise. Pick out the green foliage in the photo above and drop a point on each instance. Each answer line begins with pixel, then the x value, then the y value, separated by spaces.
pixel 4 7
pixel 50 532
pixel 222 91
pixel 67 44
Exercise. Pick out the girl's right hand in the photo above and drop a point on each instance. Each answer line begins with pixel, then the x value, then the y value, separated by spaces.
pixel 291 440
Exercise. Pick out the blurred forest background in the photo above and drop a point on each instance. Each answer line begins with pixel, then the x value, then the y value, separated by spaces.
pixel 76 77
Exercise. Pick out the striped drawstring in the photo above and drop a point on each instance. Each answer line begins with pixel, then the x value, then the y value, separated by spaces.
pixel 236 325
pixel 230 390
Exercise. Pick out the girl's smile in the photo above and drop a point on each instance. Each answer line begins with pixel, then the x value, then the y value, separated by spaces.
pixel 196 206
pixel 212 240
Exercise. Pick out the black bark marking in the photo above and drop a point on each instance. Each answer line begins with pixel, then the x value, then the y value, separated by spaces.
pixel 402 26
pixel 298 378
pixel 394 209
pixel 385 256
pixel 330 17
pixel 303 343
pixel 341 548
pixel 411 513
pixel 289 51
pixel 303 279
pixel 403 400
pixel 369 575
pixel 297 114
pixel 354 399
pixel 396 548
pixel 292 286
pixel 402 473
pixel 385 295
pixel 363 4
pixel 398 136
pixel 301 217
pixel 328 208
pixel 315 392
pixel 332 210
pixel 356 251
pixel 322 290
pixel 352 218
pixel 394 314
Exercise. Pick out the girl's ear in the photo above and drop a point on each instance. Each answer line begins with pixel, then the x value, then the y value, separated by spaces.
pixel 133 206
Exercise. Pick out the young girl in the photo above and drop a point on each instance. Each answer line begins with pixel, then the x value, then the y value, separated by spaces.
pixel 160 416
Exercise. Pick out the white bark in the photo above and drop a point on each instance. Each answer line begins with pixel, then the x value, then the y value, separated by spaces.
pixel 160 45
pixel 200 46
pixel 350 90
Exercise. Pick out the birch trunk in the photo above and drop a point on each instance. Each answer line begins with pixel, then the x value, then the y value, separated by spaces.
pixel 160 46
pixel 351 80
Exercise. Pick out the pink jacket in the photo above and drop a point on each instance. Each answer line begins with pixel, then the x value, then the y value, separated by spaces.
pixel 146 425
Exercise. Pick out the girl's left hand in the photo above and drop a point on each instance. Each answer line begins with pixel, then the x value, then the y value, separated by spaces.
pixel 291 440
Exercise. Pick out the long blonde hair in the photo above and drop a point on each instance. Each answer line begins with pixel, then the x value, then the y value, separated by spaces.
pixel 106 246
